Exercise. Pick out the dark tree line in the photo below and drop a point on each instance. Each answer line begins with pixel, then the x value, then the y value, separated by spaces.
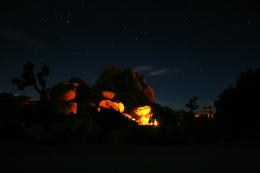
pixel 238 107
pixel 193 104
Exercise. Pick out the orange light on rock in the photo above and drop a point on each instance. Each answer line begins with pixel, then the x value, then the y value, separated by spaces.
pixel 156 123
pixel 71 109
pixel 144 121
pixel 128 116
pixel 68 96
pixel 108 95
pixel 108 104
pixel 143 115
pixel 121 107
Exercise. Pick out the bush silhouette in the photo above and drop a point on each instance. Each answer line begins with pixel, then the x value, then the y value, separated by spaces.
pixel 192 104
pixel 238 106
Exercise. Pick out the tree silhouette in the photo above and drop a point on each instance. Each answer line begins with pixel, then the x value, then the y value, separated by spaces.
pixel 37 81
pixel 193 104
pixel 238 106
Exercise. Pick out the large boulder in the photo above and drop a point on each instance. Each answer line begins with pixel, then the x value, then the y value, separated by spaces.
pixel 62 97
pixel 69 96
pixel 129 86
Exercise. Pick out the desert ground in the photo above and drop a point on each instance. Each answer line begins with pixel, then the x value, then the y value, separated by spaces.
pixel 221 157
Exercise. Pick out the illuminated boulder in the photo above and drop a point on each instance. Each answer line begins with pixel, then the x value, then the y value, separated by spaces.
pixel 63 97
pixel 143 115
pixel 108 95
pixel 83 90
pixel 121 107
pixel 71 108
pixel 108 104
pixel 68 95
pixel 129 86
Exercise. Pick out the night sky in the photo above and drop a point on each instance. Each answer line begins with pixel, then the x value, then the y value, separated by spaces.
pixel 184 48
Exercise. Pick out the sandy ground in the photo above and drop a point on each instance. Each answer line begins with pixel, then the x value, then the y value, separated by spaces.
pixel 223 157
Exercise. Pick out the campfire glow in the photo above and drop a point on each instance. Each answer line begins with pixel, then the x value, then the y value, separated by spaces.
pixel 156 123
pixel 143 115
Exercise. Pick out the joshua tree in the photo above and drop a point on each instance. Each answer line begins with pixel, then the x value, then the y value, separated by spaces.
pixel 29 78
pixel 193 104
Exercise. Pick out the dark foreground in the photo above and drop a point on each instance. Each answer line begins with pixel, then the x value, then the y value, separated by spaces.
pixel 222 157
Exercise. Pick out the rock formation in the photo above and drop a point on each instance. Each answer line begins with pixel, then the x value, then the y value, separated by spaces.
pixel 129 86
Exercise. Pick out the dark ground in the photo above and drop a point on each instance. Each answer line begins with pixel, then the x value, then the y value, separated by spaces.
pixel 222 157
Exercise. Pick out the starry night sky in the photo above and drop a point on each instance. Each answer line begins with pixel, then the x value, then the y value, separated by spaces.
pixel 184 48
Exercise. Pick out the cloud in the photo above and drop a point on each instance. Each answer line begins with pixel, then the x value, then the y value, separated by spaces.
pixel 162 72
pixel 144 68
pixel 150 70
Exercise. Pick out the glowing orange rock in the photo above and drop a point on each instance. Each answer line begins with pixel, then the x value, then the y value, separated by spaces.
pixel 108 104
pixel 121 107
pixel 108 95
pixel 68 95
pixel 128 116
pixel 71 109
pixel 143 115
